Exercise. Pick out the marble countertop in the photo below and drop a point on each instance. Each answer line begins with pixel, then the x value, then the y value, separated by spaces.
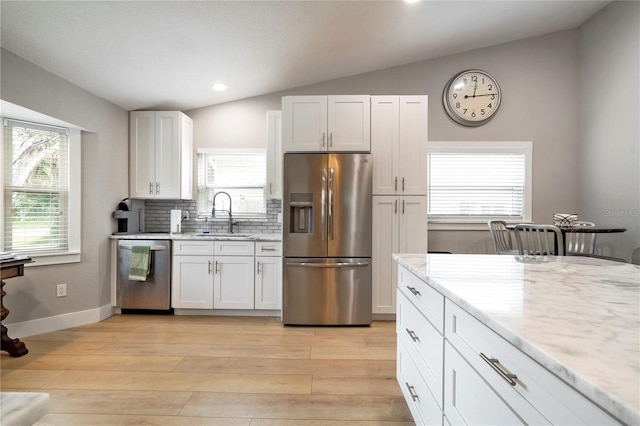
pixel 577 316
pixel 240 236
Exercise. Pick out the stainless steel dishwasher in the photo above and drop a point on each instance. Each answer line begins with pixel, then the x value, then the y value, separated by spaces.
pixel 155 292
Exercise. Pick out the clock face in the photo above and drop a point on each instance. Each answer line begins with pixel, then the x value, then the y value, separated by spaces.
pixel 472 97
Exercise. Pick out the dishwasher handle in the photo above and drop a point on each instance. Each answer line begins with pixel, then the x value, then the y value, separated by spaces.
pixel 152 248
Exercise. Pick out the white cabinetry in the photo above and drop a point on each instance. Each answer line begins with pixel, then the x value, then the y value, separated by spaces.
pixel 482 378
pixel 399 144
pixel 399 226
pixel 233 275
pixel 274 154
pixel 268 278
pixel 160 155
pixel 192 275
pixel 326 123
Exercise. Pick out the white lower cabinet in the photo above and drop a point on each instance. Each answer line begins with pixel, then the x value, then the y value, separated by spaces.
pixel 268 276
pixel 226 275
pixel 454 370
pixel 192 275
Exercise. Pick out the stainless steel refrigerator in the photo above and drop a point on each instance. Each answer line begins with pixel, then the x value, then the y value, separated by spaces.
pixel 327 239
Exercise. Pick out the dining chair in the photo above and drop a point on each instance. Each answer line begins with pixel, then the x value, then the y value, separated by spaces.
pixel 501 237
pixel 580 243
pixel 539 240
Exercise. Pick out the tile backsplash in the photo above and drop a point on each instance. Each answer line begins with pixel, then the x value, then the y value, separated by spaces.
pixel 157 218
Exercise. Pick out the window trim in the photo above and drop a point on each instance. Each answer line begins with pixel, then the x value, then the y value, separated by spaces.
pixel 519 147
pixel 73 253
pixel 245 217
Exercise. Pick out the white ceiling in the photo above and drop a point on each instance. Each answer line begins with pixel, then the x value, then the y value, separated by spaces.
pixel 167 54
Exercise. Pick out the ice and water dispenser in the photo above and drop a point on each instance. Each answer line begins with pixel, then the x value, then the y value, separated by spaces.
pixel 301 214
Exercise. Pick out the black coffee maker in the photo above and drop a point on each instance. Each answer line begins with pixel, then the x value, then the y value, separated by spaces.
pixel 128 218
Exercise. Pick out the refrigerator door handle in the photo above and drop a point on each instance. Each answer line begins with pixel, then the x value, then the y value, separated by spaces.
pixel 323 207
pixel 331 183
pixel 327 265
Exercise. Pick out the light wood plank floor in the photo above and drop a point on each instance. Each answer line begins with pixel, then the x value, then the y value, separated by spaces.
pixel 203 370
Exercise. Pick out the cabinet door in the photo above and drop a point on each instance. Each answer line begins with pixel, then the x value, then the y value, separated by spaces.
pixel 349 123
pixel 186 157
pixel 385 242
pixel 233 282
pixel 413 145
pixel 274 155
pixel 141 154
pixel 468 399
pixel 192 282
pixel 304 123
pixel 268 283
pixel 385 133
pixel 413 224
pixel 167 154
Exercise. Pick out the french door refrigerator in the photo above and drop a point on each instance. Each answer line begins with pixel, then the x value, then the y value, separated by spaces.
pixel 327 239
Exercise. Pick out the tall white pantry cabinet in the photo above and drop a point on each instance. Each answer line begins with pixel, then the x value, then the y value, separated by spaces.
pixel 160 155
pixel 399 150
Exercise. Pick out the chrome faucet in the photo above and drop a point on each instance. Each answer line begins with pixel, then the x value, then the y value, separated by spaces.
pixel 213 211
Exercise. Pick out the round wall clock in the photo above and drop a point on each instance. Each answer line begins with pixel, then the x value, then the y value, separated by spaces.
pixel 472 97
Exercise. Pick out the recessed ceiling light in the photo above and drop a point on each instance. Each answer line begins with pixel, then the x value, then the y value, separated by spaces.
pixel 411 1
pixel 219 87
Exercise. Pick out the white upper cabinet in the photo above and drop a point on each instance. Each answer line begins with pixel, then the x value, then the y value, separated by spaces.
pixel 274 155
pixel 399 144
pixel 161 155
pixel 326 123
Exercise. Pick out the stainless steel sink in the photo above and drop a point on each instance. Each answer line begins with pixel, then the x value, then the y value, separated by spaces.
pixel 223 235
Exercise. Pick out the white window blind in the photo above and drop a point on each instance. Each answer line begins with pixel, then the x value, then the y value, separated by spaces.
pixel 475 182
pixel 242 174
pixel 36 188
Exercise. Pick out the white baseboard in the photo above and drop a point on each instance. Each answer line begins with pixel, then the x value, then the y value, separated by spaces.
pixel 59 322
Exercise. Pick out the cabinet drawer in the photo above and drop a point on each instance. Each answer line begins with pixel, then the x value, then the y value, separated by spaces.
pixel 265 248
pixel 193 247
pixel 469 400
pixel 423 407
pixel 424 342
pixel 428 301
pixel 558 402
pixel 233 248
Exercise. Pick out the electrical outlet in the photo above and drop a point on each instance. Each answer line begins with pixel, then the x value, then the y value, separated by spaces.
pixel 185 214
pixel 61 290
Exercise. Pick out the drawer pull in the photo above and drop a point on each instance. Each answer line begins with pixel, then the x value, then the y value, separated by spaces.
pixel 414 291
pixel 412 391
pixel 412 334
pixel 495 364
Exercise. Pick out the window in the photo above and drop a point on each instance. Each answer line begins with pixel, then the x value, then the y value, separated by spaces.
pixel 41 209
pixel 473 182
pixel 240 173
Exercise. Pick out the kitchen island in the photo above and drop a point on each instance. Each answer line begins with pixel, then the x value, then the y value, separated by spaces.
pixel 572 322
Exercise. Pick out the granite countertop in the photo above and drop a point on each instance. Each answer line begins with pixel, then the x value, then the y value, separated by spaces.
pixel 577 316
pixel 240 236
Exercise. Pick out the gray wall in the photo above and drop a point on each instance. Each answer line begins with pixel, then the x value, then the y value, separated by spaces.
pixel 609 52
pixel 104 183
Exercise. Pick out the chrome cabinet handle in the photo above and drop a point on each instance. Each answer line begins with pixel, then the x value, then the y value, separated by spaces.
pixel 414 291
pixel 216 268
pixel 209 267
pixel 402 206
pixel 270 188
pixel 413 335
pixel 395 209
pixel 258 267
pixel 331 139
pixel 264 248
pixel 395 183
pixel 402 184
pixel 495 364
pixel 412 391
pixel 150 188
pixel 323 139
pixel 157 187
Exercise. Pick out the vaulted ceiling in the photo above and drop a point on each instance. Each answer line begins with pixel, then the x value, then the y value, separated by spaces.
pixel 168 54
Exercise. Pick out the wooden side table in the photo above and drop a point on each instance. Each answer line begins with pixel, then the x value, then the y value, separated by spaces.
pixel 11 269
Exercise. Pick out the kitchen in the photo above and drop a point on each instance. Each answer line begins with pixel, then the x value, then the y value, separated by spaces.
pixel 547 103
